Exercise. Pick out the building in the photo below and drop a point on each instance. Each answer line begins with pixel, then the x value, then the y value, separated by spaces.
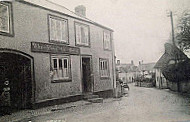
pixel 146 69
pixel 52 55
pixel 172 70
pixel 161 81
pixel 127 72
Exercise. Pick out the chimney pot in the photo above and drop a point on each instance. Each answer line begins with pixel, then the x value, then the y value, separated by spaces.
pixel 132 62
pixel 80 10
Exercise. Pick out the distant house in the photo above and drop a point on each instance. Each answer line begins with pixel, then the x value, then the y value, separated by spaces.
pixel 127 72
pixel 172 69
pixel 146 70
pixel 122 74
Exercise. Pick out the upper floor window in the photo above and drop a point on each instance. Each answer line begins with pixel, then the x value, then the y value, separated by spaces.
pixel 5 18
pixel 82 34
pixel 58 29
pixel 60 67
pixel 104 68
pixel 107 40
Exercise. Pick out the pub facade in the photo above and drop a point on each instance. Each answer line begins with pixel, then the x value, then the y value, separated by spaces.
pixel 50 54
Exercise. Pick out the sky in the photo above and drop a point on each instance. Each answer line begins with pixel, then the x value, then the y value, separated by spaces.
pixel 141 27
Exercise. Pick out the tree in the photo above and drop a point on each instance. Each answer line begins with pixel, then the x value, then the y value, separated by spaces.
pixel 183 31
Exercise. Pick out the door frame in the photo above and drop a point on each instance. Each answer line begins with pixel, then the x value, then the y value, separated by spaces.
pixel 91 70
pixel 17 52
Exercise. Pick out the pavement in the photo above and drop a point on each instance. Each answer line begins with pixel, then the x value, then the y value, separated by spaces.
pixel 27 114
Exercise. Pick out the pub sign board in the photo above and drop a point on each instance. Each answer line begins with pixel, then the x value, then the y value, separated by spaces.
pixel 54 48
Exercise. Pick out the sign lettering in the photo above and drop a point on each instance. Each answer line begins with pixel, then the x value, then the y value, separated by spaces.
pixel 52 48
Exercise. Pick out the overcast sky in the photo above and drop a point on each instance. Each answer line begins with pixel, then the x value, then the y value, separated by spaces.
pixel 141 27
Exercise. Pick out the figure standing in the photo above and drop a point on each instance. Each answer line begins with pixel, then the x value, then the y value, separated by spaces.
pixel 5 99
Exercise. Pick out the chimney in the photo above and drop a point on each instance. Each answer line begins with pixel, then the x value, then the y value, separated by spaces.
pixel 118 62
pixel 132 62
pixel 80 10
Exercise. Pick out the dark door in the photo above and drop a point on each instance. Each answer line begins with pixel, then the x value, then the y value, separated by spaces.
pixel 86 77
pixel 17 69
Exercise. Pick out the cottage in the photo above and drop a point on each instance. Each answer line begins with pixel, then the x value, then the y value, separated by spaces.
pixel 161 81
pixel 172 69
pixel 146 69
pixel 52 55
pixel 127 72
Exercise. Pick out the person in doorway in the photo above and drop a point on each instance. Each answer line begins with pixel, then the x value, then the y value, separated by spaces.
pixel 5 99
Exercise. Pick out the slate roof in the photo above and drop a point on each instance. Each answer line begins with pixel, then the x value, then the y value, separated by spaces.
pixel 147 66
pixel 124 68
pixel 47 4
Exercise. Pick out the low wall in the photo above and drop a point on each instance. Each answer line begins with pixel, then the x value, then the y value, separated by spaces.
pixel 144 84
pixel 184 86
pixel 172 86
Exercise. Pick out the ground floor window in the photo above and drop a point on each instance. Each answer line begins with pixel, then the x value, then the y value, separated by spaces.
pixel 104 68
pixel 60 66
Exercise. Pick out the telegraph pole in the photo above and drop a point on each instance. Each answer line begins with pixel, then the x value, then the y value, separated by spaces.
pixel 172 25
pixel 171 16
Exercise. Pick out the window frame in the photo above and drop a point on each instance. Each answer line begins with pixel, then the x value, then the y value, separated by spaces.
pixel 104 42
pixel 10 21
pixel 57 18
pixel 108 68
pixel 63 57
pixel 75 28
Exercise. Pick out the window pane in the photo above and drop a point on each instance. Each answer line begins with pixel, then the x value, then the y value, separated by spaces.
pixel 86 36
pixel 52 29
pixel 60 64
pixel 4 18
pixel 58 29
pixel 55 63
pixel 107 40
pixel 78 34
pixel 64 31
pixel 104 68
pixel 82 35
pixel 105 64
pixel 101 65
pixel 65 63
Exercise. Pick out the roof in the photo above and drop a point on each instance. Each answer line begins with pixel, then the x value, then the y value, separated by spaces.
pixel 47 4
pixel 171 52
pixel 124 68
pixel 163 60
pixel 125 65
pixel 147 66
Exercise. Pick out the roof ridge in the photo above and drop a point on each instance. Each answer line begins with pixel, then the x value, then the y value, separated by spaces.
pixel 68 9
pixel 47 4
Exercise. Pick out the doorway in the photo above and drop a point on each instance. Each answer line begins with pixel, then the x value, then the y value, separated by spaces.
pixel 17 69
pixel 86 75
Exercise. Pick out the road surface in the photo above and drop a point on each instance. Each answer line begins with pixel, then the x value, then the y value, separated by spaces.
pixel 140 105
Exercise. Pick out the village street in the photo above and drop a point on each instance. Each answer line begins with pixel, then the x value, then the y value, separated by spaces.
pixel 141 104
